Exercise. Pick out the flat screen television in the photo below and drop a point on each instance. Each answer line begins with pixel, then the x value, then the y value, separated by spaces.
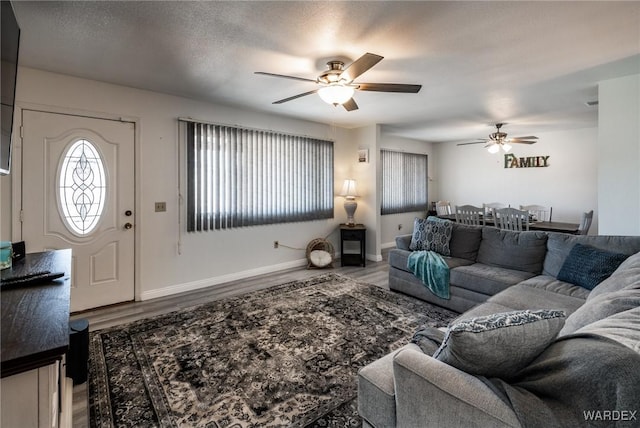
pixel 10 40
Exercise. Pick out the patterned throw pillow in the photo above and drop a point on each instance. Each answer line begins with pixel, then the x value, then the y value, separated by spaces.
pixel 499 345
pixel 588 266
pixel 431 234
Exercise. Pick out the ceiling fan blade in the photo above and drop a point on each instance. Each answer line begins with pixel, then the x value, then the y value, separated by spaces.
pixel 475 142
pixel 285 76
pixel 530 137
pixel 523 142
pixel 350 105
pixel 359 66
pixel 389 87
pixel 295 96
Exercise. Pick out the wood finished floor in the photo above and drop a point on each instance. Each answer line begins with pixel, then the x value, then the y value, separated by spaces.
pixel 376 273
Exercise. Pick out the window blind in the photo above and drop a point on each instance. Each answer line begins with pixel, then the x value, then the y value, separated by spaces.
pixel 240 177
pixel 404 182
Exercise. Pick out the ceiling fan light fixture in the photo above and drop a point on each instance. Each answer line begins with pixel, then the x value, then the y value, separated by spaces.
pixel 506 147
pixel 336 93
pixel 493 149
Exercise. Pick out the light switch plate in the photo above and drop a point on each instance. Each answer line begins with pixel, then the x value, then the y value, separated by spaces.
pixel 161 207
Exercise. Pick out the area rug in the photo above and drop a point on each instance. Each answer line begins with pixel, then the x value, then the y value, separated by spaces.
pixel 285 356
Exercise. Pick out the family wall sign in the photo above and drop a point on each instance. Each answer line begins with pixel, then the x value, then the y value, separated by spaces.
pixel 512 161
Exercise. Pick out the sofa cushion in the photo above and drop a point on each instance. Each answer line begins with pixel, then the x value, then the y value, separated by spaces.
pixel 628 273
pixel 560 244
pixel 573 377
pixel 602 307
pixel 588 266
pixel 484 309
pixel 553 285
pixel 501 344
pixel 623 327
pixel 400 258
pixel 486 279
pixel 523 251
pixel 465 241
pixel 431 234
pixel 523 296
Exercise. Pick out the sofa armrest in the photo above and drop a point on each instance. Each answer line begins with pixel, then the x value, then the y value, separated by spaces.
pixel 430 393
pixel 403 242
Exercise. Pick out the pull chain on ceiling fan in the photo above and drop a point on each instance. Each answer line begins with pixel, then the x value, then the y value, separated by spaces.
pixel 337 86
pixel 498 140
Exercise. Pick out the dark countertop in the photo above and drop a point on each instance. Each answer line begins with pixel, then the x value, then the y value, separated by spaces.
pixel 35 318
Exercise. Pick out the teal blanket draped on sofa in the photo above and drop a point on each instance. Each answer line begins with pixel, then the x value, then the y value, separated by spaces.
pixel 431 268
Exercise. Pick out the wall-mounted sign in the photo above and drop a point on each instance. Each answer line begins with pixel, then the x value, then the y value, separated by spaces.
pixel 512 161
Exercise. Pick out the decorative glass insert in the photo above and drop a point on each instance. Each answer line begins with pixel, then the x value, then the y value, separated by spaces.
pixel 82 187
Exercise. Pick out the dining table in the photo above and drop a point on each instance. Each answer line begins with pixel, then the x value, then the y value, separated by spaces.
pixel 548 226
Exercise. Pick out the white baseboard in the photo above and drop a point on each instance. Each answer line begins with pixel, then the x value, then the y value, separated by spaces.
pixel 374 257
pixel 208 282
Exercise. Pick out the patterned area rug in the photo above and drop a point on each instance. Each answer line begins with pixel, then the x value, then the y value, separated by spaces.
pixel 286 356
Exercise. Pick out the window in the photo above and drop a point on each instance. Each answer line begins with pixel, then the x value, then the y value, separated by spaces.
pixel 404 182
pixel 82 187
pixel 240 177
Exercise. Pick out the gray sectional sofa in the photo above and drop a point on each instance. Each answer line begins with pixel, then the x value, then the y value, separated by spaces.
pixel 587 375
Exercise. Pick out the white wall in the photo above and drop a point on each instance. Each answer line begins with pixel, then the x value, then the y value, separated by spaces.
pixel 471 175
pixel 365 175
pixel 206 258
pixel 389 223
pixel 619 156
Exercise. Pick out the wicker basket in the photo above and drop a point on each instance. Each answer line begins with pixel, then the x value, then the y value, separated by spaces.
pixel 323 245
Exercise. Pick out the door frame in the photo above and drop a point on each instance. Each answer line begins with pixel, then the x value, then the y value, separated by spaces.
pixel 16 174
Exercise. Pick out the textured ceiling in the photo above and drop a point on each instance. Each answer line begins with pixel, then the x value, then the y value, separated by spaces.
pixel 530 64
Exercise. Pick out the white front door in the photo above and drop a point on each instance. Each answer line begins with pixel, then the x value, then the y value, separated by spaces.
pixel 78 185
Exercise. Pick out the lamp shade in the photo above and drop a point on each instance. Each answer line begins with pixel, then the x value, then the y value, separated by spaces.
pixel 494 148
pixel 349 188
pixel 336 93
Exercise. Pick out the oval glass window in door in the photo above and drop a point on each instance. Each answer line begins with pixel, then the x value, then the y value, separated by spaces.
pixel 82 187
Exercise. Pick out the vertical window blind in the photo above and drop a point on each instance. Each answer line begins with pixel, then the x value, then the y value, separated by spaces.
pixel 404 182
pixel 240 177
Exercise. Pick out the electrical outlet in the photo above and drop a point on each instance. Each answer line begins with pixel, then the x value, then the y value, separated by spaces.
pixel 275 244
pixel 161 207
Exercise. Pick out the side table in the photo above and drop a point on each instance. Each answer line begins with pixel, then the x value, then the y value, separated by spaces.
pixel 357 233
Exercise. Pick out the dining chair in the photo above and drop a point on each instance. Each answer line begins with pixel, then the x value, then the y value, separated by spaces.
pixel 469 214
pixel 491 207
pixel 443 208
pixel 512 219
pixel 585 223
pixel 538 212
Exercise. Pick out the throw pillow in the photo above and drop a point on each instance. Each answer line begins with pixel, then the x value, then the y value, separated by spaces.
pixel 626 275
pixel 320 258
pixel 588 266
pixel 431 234
pixel 499 345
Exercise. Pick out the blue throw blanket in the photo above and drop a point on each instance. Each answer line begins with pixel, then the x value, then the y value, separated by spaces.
pixel 431 268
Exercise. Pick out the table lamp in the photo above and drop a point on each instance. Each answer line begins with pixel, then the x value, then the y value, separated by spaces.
pixel 349 192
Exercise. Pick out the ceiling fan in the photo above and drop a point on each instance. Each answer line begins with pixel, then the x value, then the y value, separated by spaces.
pixel 498 140
pixel 336 85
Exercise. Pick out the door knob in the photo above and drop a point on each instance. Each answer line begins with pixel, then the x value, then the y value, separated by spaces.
pixel 128 226
pixel 128 213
